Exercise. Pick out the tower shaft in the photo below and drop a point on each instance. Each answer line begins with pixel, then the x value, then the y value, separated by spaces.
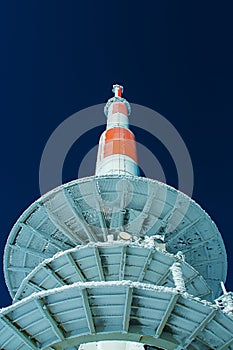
pixel 117 152
pixel 103 263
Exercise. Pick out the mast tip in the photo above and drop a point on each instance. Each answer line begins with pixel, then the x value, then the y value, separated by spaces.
pixel 117 90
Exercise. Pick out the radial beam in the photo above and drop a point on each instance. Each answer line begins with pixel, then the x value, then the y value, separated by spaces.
pixel 99 264
pixel 35 286
pixel 166 315
pixel 48 238
pixel 137 224
pixel 200 327
pixel 163 278
pixel 44 310
pixel 64 229
pixel 79 217
pixel 31 251
pixel 122 263
pixel 87 310
pixel 19 269
pixel 226 345
pixel 99 201
pixel 76 267
pixel 192 278
pixel 127 309
pixel 49 270
pixel 146 265
pixel 19 332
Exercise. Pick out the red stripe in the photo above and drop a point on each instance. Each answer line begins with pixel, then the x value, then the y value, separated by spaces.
pixel 119 134
pixel 119 107
pixel 120 141
pixel 119 92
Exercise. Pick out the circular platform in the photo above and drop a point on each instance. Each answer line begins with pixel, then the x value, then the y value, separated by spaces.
pixel 65 317
pixel 90 209
pixel 111 262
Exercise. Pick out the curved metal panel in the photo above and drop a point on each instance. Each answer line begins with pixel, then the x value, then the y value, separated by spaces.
pixel 87 210
pixel 103 262
pixel 130 311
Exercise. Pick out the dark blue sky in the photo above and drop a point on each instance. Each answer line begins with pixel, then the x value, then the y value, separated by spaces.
pixel 58 57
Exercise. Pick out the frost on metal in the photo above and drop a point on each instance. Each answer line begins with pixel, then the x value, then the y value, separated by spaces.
pixel 225 303
pixel 105 260
pixel 178 277
pixel 70 221
pixel 116 261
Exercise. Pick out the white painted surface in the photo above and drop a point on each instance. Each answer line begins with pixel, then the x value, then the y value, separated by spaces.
pixel 117 164
pixel 117 119
pixel 112 345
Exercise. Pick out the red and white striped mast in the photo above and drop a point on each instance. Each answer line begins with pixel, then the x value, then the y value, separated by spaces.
pixel 117 152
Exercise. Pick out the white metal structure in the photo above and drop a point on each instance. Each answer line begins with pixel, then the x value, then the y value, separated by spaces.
pixel 116 261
